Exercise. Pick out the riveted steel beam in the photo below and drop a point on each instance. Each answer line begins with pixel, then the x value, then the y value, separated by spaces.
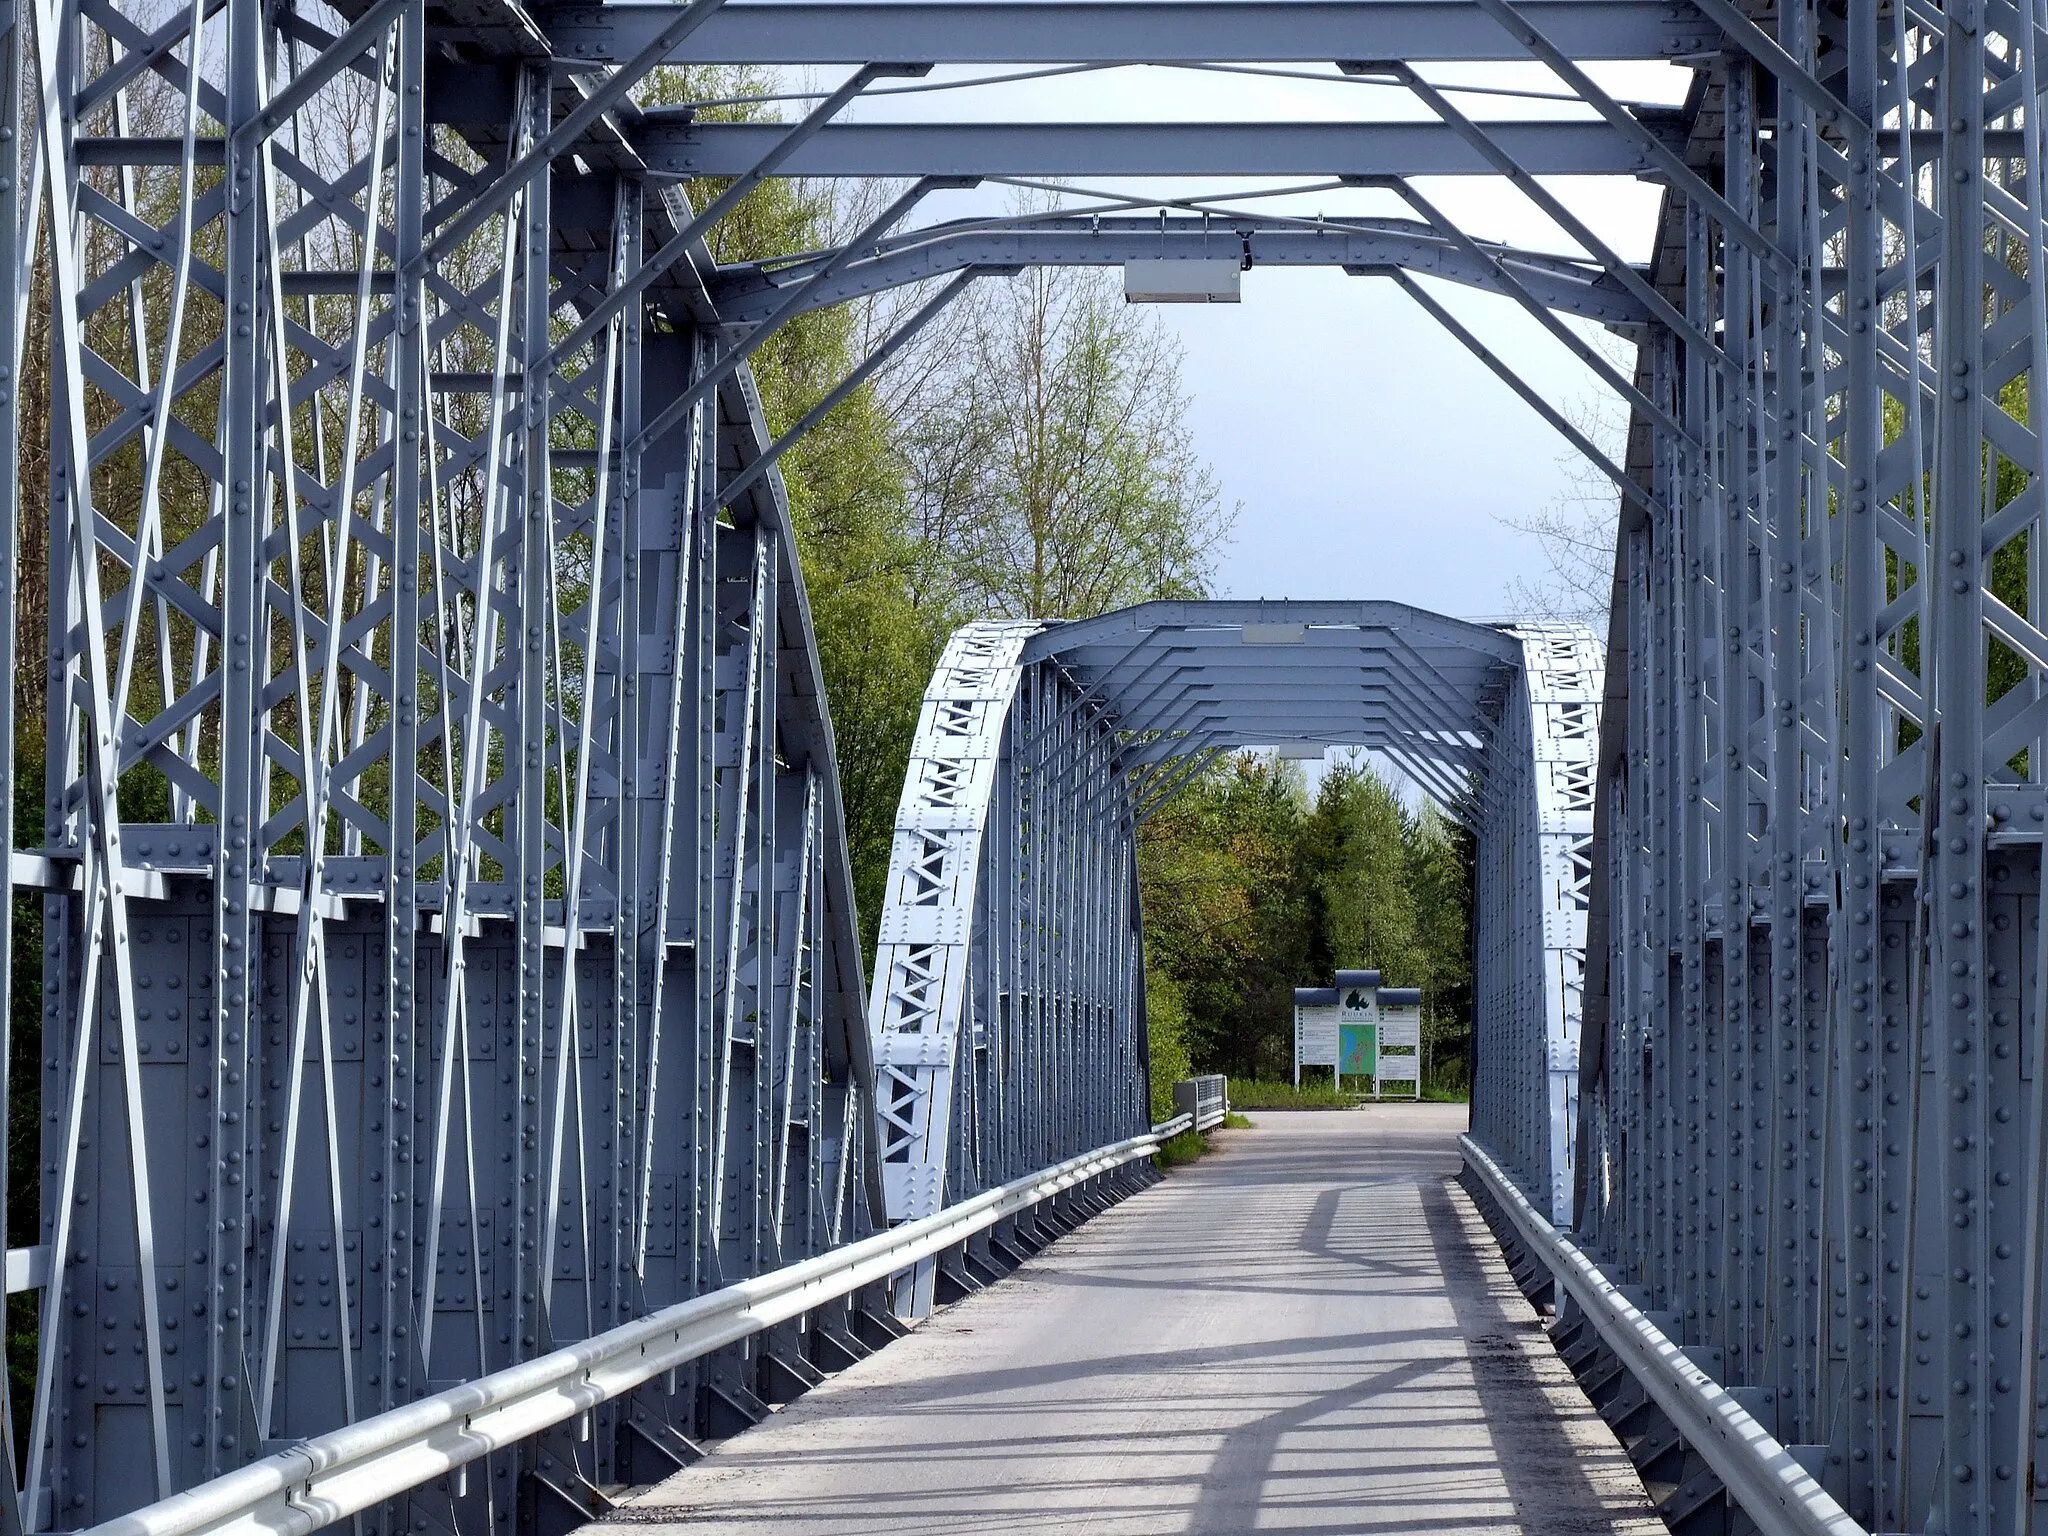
pixel 1147 31
pixel 680 148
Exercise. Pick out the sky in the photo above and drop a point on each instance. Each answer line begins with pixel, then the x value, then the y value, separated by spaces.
pixel 1368 454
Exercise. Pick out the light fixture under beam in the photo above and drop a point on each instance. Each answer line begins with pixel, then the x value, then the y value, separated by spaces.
pixel 1273 634
pixel 1184 281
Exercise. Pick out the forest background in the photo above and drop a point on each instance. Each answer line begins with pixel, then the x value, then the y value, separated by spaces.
pixel 1027 458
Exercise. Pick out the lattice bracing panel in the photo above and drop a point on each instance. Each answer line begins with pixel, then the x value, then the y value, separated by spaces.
pixel 1533 847
pixel 1813 1119
pixel 447 932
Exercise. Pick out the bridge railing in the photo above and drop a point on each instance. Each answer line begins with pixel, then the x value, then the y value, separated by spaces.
pixel 1774 1488
pixel 350 1470
pixel 1204 1100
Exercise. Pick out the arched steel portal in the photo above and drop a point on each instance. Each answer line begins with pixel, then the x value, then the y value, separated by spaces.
pixel 1008 1003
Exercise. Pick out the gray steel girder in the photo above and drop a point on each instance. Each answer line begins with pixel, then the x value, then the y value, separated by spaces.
pixel 1127 31
pixel 745 295
pixel 671 145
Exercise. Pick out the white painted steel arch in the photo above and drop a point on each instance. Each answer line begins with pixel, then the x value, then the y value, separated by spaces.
pixel 1535 861
pixel 1001 1046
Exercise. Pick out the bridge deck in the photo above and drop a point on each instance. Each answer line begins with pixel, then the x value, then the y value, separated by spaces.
pixel 1309 1330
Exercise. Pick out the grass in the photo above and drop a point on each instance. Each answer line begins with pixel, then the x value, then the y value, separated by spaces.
pixel 1247 1093
pixel 1189 1145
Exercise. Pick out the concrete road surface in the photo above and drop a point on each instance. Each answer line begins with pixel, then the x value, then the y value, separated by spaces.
pixel 1308 1330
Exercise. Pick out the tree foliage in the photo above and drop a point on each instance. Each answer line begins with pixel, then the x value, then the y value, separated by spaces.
pixel 1252 888
pixel 1052 462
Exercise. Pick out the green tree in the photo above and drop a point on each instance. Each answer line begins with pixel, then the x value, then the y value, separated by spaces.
pixel 1225 911
pixel 1440 878
pixel 1051 463
pixel 1251 891
pixel 1355 865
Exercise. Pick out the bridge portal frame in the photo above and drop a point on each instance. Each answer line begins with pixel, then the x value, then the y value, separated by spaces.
pixel 1010 916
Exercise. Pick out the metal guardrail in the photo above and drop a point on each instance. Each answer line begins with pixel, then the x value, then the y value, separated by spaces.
pixel 348 1470
pixel 1204 1100
pixel 1778 1493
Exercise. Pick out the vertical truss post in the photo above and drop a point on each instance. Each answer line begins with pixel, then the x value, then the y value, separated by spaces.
pixel 251 498
pixel 14 17
pixel 526 624
pixel 1738 629
pixel 1957 1002
pixel 1857 982
pixel 1779 1076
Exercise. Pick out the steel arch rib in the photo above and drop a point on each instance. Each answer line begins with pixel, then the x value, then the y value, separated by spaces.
pixel 1006 1009
pixel 1534 884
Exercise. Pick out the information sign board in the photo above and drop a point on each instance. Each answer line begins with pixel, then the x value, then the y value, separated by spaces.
pixel 1315 1029
pixel 1315 1037
pixel 1360 1029
pixel 1400 1038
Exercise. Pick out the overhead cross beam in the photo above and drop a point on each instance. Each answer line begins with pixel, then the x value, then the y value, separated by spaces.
pixel 1124 31
pixel 672 145
pixel 746 295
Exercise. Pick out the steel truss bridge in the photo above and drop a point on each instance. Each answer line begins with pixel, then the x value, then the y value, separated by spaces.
pixel 455 1078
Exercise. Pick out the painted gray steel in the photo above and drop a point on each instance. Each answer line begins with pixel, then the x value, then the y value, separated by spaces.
pixel 1812 1109
pixel 330 1477
pixel 1203 1101
pixel 1008 934
pixel 1130 31
pixel 671 148
pixel 749 294
pixel 1777 1492
pixel 447 936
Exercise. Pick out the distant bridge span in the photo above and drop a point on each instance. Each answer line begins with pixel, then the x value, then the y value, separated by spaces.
pixel 1007 1010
